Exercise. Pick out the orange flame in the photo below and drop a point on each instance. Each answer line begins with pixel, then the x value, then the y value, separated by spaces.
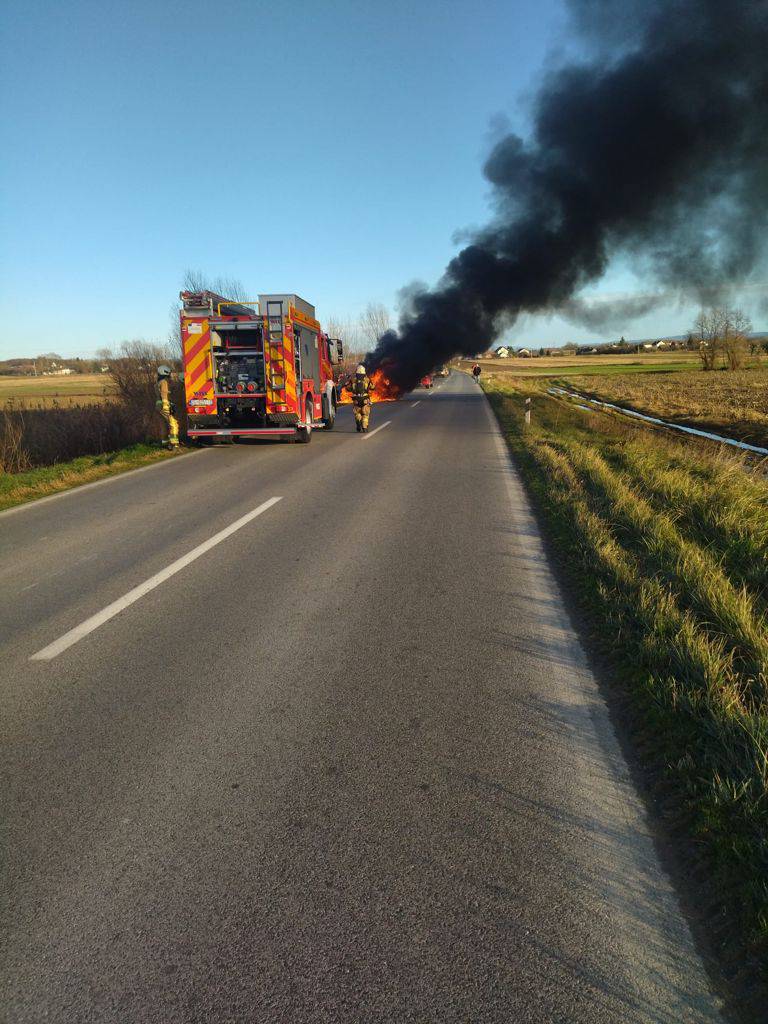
pixel 383 390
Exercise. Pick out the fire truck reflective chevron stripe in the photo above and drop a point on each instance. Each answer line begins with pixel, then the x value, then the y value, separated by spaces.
pixel 200 387
pixel 195 344
pixel 290 372
pixel 197 361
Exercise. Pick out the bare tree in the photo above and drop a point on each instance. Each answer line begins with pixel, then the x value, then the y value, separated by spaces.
pixel 722 333
pixel 227 287
pixel 197 281
pixel 174 328
pixel 338 327
pixel 735 327
pixel 133 368
pixel 349 331
pixel 706 337
pixel 374 322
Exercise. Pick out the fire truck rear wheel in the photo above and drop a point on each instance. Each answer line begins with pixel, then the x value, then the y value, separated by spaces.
pixel 329 413
pixel 304 430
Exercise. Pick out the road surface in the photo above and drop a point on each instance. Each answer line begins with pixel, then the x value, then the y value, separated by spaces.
pixel 332 757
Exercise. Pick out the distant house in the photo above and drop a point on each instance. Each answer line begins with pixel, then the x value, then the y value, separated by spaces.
pixel 524 353
pixel 63 371
pixel 502 352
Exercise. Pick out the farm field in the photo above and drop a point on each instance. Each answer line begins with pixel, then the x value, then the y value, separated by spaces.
pixel 669 385
pixel 664 545
pixel 732 402
pixel 552 366
pixel 79 389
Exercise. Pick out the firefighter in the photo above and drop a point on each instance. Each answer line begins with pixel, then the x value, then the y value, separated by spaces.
pixel 476 371
pixel 166 407
pixel 360 388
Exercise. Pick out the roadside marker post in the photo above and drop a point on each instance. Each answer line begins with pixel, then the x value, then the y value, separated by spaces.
pixel 527 412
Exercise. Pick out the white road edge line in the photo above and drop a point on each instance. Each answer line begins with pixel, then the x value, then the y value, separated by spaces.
pixel 65 641
pixel 366 436
pixel 415 404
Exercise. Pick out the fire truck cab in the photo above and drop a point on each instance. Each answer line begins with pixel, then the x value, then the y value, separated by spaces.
pixel 256 369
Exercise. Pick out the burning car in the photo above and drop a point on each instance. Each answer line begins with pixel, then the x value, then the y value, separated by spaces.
pixel 383 388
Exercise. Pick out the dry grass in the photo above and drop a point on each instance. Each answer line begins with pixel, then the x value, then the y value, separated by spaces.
pixel 36 429
pixel 31 437
pixel 36 392
pixel 733 402
pixel 666 544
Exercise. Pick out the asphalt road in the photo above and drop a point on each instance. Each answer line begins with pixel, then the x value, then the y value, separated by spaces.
pixel 347 764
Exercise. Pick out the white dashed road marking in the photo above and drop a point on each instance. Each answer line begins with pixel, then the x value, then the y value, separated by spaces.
pixel 367 436
pixel 70 638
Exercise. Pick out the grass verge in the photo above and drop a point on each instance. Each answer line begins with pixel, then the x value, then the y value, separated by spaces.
pixel 664 546
pixel 17 488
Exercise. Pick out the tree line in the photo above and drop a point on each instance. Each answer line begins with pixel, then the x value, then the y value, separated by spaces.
pixel 721 337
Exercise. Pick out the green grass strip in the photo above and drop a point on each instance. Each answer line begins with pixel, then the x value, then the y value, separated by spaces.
pixel 686 642
pixel 18 488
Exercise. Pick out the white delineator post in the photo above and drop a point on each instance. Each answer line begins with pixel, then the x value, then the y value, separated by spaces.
pixel 527 412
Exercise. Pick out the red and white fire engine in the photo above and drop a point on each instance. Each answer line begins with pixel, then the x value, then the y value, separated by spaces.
pixel 256 369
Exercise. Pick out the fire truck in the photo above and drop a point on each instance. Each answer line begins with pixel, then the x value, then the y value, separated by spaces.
pixel 256 369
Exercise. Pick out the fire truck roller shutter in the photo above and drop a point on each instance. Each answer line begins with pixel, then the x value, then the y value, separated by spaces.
pixel 310 357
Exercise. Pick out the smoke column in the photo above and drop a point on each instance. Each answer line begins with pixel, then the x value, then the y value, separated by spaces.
pixel 657 146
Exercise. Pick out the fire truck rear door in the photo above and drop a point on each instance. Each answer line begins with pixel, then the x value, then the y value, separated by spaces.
pixel 310 356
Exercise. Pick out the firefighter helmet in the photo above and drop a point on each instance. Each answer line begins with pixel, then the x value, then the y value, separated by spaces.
pixel 360 371
pixel 163 371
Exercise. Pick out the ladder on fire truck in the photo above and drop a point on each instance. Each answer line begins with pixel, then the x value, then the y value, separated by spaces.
pixel 276 363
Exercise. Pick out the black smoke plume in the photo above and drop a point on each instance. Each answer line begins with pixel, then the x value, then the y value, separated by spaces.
pixel 657 147
pixel 612 314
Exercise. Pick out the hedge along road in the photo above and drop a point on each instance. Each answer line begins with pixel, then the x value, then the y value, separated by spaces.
pixel 344 762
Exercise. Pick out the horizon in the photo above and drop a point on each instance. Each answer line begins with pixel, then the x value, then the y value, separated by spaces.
pixel 503 344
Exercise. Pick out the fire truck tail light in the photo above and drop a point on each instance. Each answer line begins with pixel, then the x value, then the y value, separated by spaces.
pixel 251 386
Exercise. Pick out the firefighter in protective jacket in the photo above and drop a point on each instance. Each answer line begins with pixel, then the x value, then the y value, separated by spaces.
pixel 360 388
pixel 166 407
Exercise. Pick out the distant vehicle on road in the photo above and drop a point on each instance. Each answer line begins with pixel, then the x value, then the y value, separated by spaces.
pixel 426 381
pixel 444 371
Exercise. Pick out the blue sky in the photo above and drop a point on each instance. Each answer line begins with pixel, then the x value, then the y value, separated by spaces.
pixel 331 149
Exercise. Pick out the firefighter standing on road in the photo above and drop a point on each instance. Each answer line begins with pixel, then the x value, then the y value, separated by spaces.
pixel 476 371
pixel 166 407
pixel 360 388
